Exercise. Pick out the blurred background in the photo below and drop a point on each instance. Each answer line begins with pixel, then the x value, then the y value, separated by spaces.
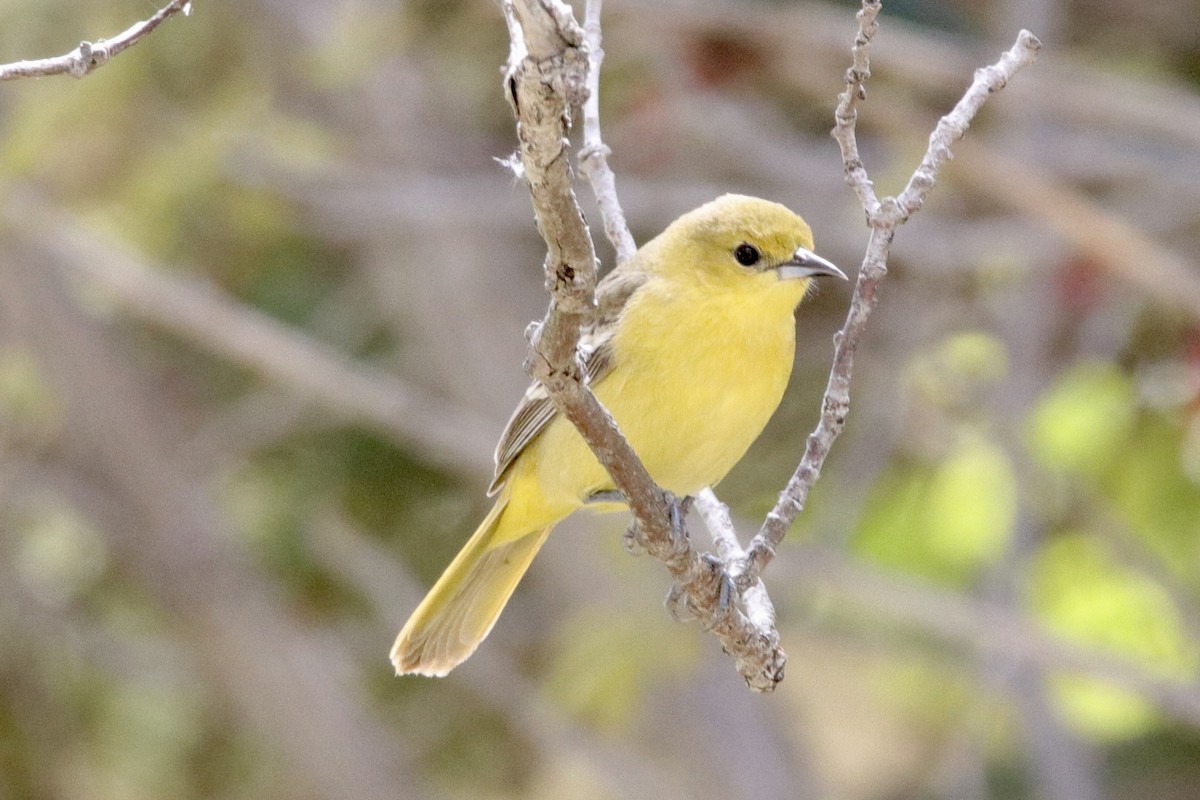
pixel 262 293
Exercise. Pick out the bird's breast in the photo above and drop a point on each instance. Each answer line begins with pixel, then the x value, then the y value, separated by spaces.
pixel 698 375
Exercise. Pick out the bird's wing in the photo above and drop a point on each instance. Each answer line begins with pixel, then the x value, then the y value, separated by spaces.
pixel 536 409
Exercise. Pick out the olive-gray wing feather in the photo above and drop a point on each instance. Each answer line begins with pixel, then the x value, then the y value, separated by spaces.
pixel 536 409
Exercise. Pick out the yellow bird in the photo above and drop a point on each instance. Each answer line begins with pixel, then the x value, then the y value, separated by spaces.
pixel 690 350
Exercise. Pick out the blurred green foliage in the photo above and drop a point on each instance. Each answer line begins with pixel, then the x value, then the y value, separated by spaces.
pixel 949 514
pixel 1085 420
pixel 194 151
pixel 1084 593
pixel 947 520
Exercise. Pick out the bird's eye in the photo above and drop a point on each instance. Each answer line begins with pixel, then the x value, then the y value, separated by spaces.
pixel 746 254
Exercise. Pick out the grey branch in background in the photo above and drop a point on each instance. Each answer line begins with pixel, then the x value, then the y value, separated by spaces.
pixel 206 316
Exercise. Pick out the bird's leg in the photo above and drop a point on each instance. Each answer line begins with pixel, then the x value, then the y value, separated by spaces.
pixel 632 539
pixel 605 496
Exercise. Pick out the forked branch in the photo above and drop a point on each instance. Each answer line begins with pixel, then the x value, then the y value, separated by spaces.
pixel 548 78
pixel 883 217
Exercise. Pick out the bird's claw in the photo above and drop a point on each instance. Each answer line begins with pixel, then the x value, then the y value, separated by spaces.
pixel 727 589
pixel 678 603
pixel 632 540
pixel 677 509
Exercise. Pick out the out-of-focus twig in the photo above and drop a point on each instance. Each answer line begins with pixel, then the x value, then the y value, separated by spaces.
pixel 982 626
pixel 292 689
pixel 207 317
pixel 1121 248
pixel 89 56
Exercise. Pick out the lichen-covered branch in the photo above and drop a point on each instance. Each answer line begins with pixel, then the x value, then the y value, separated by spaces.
pixel 546 82
pixel 91 55
pixel 883 216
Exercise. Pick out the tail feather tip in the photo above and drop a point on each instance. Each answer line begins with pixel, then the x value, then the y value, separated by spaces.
pixel 408 661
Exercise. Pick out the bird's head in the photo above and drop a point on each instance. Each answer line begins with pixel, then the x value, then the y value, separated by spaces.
pixel 740 241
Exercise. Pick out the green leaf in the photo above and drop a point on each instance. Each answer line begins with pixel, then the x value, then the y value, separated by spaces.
pixel 944 520
pixel 1082 423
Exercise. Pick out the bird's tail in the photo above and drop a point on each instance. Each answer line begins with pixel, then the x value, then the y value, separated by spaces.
pixel 464 604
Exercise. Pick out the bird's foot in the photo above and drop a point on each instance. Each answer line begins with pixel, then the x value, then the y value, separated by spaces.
pixel 679 604
pixel 632 540
pixel 678 508
pixel 726 589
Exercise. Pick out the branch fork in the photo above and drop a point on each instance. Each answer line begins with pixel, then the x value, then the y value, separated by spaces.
pixel 552 71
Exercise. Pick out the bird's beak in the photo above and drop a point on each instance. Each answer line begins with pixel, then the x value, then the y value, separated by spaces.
pixel 807 264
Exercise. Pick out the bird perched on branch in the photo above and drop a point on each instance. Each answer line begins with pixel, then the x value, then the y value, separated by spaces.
pixel 690 350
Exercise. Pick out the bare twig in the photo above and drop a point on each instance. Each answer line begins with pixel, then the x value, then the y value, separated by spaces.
pixel 846 114
pixel 883 216
pixel 952 127
pixel 593 158
pixel 545 86
pixel 91 55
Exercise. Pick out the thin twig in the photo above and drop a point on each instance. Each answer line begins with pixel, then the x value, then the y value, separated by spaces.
pixel 952 127
pixel 846 115
pixel 883 216
pixel 593 158
pixel 89 56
